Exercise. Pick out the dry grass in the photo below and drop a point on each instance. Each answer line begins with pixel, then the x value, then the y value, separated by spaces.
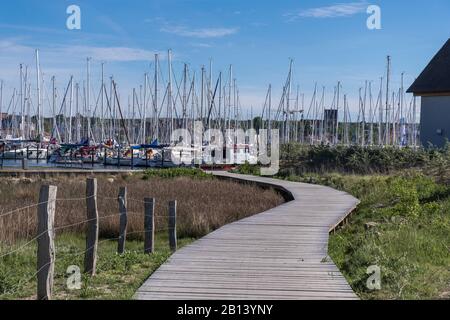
pixel 203 204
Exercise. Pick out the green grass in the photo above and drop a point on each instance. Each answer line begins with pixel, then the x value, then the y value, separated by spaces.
pixel 410 239
pixel 118 276
pixel 176 172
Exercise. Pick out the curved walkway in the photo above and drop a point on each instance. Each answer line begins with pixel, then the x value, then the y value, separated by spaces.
pixel 279 254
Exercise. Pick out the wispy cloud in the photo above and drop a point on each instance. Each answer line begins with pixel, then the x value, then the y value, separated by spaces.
pixel 10 48
pixel 113 54
pixel 201 45
pixel 203 33
pixel 332 11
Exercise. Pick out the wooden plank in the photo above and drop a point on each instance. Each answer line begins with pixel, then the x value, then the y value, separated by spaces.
pixel 279 254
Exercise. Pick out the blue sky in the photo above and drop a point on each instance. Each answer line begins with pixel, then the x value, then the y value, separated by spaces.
pixel 328 40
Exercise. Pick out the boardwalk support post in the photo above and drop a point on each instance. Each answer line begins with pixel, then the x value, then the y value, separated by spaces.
pixel 46 242
pixel 90 258
pixel 149 225
pixel 173 225
pixel 123 219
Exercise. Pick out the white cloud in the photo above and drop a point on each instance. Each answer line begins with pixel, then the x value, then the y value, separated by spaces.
pixel 201 45
pixel 10 48
pixel 113 54
pixel 333 11
pixel 199 33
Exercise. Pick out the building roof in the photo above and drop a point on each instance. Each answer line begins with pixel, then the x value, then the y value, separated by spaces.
pixel 435 78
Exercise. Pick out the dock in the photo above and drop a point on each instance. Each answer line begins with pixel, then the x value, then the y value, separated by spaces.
pixel 280 254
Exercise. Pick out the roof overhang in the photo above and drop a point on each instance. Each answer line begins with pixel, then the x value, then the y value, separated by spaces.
pixel 432 94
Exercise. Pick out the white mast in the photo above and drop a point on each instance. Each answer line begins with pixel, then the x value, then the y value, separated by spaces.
pixel 169 95
pixel 337 112
pixel 363 129
pixel 387 127
pixel 156 107
pixel 202 94
pixel 144 116
pixel 380 117
pixel 53 106
pixel 77 112
pixel 402 119
pixel 102 126
pixel 88 98
pixel 270 113
pixel 230 84
pixel 70 110
pixel 22 104
pixel 38 79
pixel 185 97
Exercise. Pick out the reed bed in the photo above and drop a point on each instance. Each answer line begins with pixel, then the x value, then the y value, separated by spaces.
pixel 204 204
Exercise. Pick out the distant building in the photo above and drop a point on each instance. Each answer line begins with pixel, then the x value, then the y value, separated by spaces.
pixel 433 86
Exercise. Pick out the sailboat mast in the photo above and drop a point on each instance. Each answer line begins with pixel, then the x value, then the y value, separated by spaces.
pixel 53 106
pixel 144 116
pixel 185 97
pixel 88 98
pixel 155 102
pixel 102 125
pixel 70 110
pixel 38 79
pixel 336 139
pixel 387 126
pixel 169 97
pixel 230 84
pixel 270 112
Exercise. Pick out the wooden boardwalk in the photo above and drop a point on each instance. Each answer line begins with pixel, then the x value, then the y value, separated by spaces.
pixel 279 254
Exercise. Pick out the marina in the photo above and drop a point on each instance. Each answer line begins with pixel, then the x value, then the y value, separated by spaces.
pixel 77 125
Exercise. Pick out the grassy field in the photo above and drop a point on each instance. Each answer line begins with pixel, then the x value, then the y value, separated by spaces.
pixel 402 224
pixel 204 204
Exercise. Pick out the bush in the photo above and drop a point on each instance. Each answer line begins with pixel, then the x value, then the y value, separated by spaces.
pixel 360 160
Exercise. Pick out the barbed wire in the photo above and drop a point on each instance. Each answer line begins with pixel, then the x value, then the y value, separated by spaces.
pixel 21 209
pixel 156 217
pixel 23 246
pixel 5 214
pixel 41 203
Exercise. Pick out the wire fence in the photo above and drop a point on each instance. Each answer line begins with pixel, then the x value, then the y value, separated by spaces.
pixel 44 247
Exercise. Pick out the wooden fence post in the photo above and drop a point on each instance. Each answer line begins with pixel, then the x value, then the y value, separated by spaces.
pixel 123 219
pixel 173 225
pixel 45 242
pixel 90 258
pixel 149 225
